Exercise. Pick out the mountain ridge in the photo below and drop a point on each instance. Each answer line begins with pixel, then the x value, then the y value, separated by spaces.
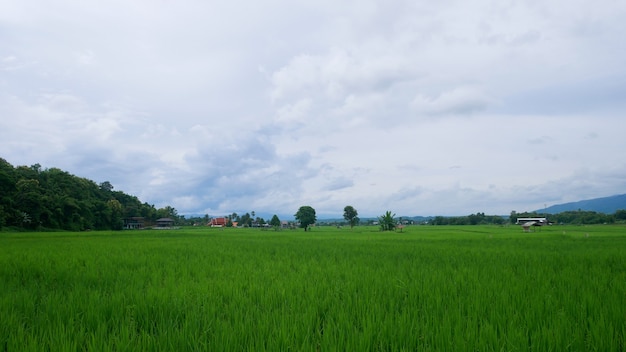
pixel 606 205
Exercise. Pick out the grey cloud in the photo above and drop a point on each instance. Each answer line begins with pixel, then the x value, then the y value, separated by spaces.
pixel 248 170
pixel 339 183
pixel 528 37
pixel 412 193
pixel 458 101
pixel 562 98
pixel 540 140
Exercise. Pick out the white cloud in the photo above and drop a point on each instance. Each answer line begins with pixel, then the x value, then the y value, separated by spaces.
pixel 410 106
pixel 295 113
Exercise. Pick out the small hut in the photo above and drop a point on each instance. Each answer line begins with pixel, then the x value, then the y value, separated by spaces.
pixel 164 223
pixel 528 226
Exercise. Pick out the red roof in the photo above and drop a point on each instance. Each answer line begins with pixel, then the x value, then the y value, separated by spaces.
pixel 218 222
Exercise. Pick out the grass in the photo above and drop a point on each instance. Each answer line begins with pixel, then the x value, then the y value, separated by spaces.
pixel 429 288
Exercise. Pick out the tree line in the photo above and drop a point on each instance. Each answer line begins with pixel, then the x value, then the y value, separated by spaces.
pixel 472 219
pixel 578 217
pixel 575 217
pixel 34 198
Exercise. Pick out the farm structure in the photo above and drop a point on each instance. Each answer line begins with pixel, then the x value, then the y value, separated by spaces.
pixel 134 223
pixel 528 223
pixel 164 223
pixel 218 222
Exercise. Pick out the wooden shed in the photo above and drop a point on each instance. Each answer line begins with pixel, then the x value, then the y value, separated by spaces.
pixel 164 223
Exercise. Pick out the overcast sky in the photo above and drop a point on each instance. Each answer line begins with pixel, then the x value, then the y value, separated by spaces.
pixel 417 107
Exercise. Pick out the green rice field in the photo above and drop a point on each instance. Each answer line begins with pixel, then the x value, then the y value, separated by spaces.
pixel 428 288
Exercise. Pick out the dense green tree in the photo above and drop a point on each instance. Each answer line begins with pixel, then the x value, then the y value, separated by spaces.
pixel 148 211
pixel 582 217
pixel 106 186
pixel 32 197
pixel 387 221
pixel 275 222
pixel 29 201
pixel 351 215
pixel 7 179
pixel 3 216
pixel 7 191
pixel 513 217
pixel 116 220
pixel 245 220
pixel 167 212
pixel 306 216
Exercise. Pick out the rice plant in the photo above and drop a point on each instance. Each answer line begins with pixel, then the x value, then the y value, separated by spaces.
pixel 427 288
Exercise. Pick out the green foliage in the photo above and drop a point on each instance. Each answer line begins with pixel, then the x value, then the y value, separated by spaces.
pixel 306 217
pixel 579 217
pixel 387 221
pixel 351 215
pixel 445 288
pixel 245 220
pixel 472 219
pixel 35 198
pixel 3 217
pixel 275 222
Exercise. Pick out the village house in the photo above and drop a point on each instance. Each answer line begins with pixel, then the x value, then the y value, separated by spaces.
pixel 134 223
pixel 218 222
pixel 164 223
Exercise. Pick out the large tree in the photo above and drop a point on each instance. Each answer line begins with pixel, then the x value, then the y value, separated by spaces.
pixel 387 221
pixel 351 215
pixel 275 222
pixel 306 216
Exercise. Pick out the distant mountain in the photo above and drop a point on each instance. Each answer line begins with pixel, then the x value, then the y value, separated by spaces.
pixel 607 205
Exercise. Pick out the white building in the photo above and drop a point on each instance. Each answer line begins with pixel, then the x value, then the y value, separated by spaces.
pixel 543 221
pixel 528 223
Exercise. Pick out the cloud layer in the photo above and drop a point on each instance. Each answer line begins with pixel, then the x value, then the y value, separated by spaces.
pixel 421 108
